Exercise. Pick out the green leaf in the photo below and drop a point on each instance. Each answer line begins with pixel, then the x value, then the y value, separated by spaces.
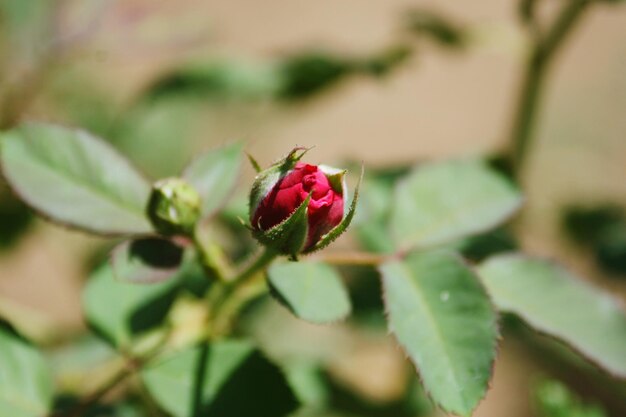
pixel 146 260
pixel 15 217
pixel 441 202
pixel 425 23
pixel 554 399
pixel 371 223
pixel 25 382
pixel 218 81
pixel 25 25
pixel 172 124
pixel 119 310
pixel 306 378
pixel 443 318
pixel 553 301
pixel 222 379
pixel 76 179
pixel 306 74
pixel 312 291
pixel 214 175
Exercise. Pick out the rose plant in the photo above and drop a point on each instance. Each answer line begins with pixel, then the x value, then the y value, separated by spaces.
pixel 441 310
pixel 175 296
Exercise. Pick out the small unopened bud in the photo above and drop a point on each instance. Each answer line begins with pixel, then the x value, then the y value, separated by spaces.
pixel 174 206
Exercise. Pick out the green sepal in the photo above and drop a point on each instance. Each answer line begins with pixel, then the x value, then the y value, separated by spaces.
pixel 265 180
pixel 336 177
pixel 331 236
pixel 289 236
pixel 254 163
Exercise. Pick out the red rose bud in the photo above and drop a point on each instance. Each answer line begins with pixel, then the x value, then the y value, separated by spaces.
pixel 297 207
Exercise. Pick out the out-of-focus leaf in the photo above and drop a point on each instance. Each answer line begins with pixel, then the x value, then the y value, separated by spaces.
pixel 610 250
pixel 78 359
pixel 417 400
pixel 76 179
pixel 218 80
pixel 441 202
pixel 146 260
pixel 312 291
pixel 15 217
pixel 306 74
pixel 587 224
pixel 235 210
pixel 119 310
pixel 25 382
pixel 551 300
pixel 66 403
pixel 437 27
pixel 307 381
pixel 603 229
pixel 171 124
pixel 297 76
pixel 371 222
pixel 222 379
pixel 555 400
pixel 384 62
pixel 443 318
pixel 479 247
pixel 31 322
pixel 346 401
pixel 214 175
pixel 25 23
pixel 83 101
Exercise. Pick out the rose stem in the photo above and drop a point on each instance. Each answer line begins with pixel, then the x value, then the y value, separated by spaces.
pixel 541 55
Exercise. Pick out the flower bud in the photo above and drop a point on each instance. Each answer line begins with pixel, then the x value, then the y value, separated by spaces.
pixel 295 206
pixel 174 206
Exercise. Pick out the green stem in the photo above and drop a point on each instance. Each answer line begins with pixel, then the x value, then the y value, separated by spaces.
pixel 81 408
pixel 527 109
pixel 132 363
pixel 129 368
pixel 353 258
pixel 212 258
pixel 252 288
pixel 255 266
pixel 541 55
pixel 226 298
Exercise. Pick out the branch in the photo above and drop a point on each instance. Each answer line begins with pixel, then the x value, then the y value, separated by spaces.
pixel 542 54
pixel 352 258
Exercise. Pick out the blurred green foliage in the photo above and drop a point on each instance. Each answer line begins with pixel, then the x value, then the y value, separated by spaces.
pixel 414 402
pixel 218 81
pixel 24 24
pixel 15 217
pixel 295 76
pixel 602 229
pixel 554 399
pixel 435 26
